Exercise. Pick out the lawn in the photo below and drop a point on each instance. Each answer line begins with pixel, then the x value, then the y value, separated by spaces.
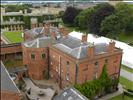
pixel 128 84
pixel 73 28
pixel 128 38
pixel 14 37
pixel 120 97
pixel 127 68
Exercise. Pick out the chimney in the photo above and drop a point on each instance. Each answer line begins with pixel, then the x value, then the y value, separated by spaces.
pixel 33 22
pixel 63 31
pixel 84 38
pixel 53 34
pixel 111 46
pixel 40 25
pixel 91 51
pixel 46 28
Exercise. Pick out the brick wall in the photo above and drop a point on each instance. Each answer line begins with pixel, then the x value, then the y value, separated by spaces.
pixel 37 66
pixel 10 51
pixel 7 95
pixel 86 68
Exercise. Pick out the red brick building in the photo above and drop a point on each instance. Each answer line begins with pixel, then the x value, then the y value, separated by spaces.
pixel 74 61
pixel 9 90
pixel 69 60
pixel 11 51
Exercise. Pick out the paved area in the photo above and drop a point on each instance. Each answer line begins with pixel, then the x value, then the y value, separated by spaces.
pixel 4 39
pixel 37 93
pixel 109 96
pixel 49 83
pixel 126 74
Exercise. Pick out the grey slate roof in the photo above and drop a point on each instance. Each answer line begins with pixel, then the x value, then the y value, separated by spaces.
pixel 35 31
pixel 40 42
pixel 7 83
pixel 73 46
pixel 38 31
pixel 100 48
pixel 70 94
pixel 77 49
pixel 71 42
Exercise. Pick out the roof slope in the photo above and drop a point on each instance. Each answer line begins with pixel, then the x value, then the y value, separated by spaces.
pixel 7 83
pixel 70 94
pixel 40 42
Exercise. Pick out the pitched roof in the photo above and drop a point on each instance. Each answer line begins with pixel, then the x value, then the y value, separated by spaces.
pixel 78 49
pixel 70 94
pixel 38 31
pixel 40 42
pixel 7 84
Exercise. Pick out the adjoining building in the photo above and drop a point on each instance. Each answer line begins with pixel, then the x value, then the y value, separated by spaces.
pixel 9 90
pixel 69 60
pixel 70 94
pixel 17 21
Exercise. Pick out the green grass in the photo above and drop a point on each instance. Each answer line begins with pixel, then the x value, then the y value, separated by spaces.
pixel 127 68
pixel 127 83
pixel 128 38
pixel 120 97
pixel 73 28
pixel 14 37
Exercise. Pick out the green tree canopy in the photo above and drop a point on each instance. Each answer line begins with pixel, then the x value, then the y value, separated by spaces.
pixel 111 26
pixel 70 15
pixel 101 11
pixel 82 19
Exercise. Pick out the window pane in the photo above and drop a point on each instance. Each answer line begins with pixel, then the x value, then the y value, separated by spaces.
pixel 32 56
pixel 43 55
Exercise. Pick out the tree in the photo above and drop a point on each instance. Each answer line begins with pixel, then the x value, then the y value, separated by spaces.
pixel 111 26
pixel 120 22
pixel 101 11
pixel 82 19
pixel 27 22
pixel 70 15
pixel 125 13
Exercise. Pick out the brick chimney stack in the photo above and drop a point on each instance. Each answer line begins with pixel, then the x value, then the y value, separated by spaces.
pixel 111 46
pixel 91 51
pixel 63 31
pixel 53 34
pixel 46 28
pixel 84 38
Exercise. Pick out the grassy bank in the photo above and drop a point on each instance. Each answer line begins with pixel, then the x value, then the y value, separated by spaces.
pixel 127 68
pixel 127 83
